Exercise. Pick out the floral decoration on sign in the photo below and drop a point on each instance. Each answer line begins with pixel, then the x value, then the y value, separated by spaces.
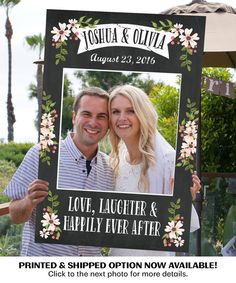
pixel 69 31
pixel 51 222
pixel 174 230
pixel 47 137
pixel 181 36
pixel 188 132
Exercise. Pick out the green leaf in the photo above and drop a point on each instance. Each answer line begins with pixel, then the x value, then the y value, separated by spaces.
pixel 81 19
pixel 58 56
pixel 165 236
pixel 52 104
pixel 58 45
pixel 162 23
pixel 154 24
pixel 55 197
pixel 64 51
pixel 183 57
pixel 88 20
pixel 172 204
pixel 171 210
pixel 170 23
pixel 56 203
pixel 57 61
pixel 190 51
pixel 96 21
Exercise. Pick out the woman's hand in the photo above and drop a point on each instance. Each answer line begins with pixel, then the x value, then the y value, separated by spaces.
pixel 196 186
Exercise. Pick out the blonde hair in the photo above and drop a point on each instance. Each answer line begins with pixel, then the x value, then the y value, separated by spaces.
pixel 147 117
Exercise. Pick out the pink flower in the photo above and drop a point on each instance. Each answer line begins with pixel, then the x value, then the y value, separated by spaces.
pixel 177 30
pixel 50 221
pixel 188 40
pixel 174 229
pixel 179 242
pixel 44 233
pixel 74 26
pixel 60 34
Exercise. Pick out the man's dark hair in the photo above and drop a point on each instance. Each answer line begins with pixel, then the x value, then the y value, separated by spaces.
pixel 91 91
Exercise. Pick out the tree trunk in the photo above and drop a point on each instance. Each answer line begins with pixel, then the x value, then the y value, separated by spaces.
pixel 39 93
pixel 10 109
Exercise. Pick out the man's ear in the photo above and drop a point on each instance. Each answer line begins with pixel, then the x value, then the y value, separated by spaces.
pixel 73 117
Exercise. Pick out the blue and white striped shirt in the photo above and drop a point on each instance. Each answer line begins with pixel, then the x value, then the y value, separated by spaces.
pixel 73 175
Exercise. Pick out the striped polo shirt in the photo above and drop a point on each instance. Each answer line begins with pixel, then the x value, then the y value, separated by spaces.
pixel 73 175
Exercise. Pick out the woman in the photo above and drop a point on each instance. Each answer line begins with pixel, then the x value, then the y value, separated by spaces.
pixel 142 159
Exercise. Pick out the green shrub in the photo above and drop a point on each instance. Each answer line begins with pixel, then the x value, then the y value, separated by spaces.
pixel 14 152
pixel 7 246
pixel 7 169
pixel 10 240
pixel 5 224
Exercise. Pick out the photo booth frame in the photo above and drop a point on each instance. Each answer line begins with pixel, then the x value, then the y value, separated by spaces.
pixel 120 42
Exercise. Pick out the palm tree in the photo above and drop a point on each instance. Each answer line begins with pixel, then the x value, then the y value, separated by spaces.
pixel 8 4
pixel 37 42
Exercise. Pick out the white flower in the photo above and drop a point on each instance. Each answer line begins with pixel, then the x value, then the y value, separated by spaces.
pixel 190 143
pixel 191 129
pixel 185 153
pixel 187 39
pixel 191 124
pixel 174 229
pixel 50 221
pixel 47 127
pixel 186 148
pixel 74 26
pixel 46 116
pixel 47 130
pixel 44 233
pixel 47 122
pixel 189 140
pixel 46 138
pixel 60 34
pixel 179 242
pixel 177 30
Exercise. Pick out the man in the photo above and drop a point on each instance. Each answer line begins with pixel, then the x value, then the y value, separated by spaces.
pixel 81 166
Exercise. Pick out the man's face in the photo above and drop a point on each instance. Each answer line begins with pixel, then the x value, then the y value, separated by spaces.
pixel 90 121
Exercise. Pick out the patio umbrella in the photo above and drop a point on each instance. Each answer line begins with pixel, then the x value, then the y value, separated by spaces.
pixel 220 39
pixel 219 51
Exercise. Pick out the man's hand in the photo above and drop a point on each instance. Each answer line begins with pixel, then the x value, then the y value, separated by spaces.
pixel 196 186
pixel 37 192
pixel 21 209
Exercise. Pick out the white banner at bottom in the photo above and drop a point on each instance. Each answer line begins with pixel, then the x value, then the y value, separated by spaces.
pixel 117 269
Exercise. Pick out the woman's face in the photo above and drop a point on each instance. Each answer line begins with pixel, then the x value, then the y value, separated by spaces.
pixel 123 119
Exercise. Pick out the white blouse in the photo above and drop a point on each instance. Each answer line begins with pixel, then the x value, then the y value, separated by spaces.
pixel 160 177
